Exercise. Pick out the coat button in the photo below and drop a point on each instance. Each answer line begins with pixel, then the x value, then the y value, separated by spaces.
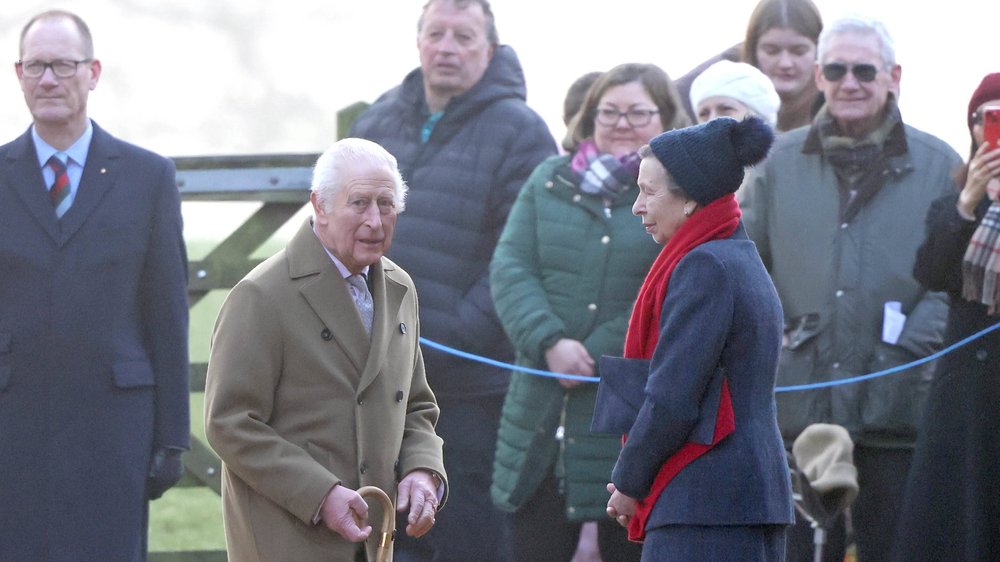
pixel 576 198
pixel 402 327
pixel 549 184
pixel 363 468
pixel 982 354
pixel 399 396
pixel 361 401
pixel 605 239
pixel 591 307
pixel 326 334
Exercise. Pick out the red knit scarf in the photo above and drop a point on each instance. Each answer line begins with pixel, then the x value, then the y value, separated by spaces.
pixel 716 221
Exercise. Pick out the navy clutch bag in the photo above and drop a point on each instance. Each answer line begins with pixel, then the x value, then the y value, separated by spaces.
pixel 622 391
pixel 620 394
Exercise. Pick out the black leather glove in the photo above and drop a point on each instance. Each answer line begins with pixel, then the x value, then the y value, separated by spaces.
pixel 164 471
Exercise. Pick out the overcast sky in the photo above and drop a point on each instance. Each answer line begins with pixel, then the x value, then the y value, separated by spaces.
pixel 197 77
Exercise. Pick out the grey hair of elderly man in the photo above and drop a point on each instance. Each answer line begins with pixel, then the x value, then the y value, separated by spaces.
pixel 331 170
pixel 859 25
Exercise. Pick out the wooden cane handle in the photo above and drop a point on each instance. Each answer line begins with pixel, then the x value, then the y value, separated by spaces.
pixel 388 520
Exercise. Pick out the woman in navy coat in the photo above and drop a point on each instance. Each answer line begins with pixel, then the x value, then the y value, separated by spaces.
pixel 702 474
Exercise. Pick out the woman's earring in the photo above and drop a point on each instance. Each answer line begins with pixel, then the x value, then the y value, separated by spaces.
pixel 688 211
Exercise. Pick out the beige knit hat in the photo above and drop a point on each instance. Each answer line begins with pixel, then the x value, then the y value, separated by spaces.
pixel 824 454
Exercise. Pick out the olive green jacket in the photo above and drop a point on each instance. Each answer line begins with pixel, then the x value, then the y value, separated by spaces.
pixel 834 279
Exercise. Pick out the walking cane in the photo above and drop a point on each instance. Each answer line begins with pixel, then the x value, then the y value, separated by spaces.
pixel 388 520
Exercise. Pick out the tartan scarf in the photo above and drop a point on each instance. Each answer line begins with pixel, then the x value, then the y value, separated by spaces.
pixel 603 174
pixel 715 221
pixel 981 264
pixel 860 164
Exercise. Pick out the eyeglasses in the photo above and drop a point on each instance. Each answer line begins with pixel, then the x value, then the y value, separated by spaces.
pixel 61 68
pixel 634 117
pixel 834 71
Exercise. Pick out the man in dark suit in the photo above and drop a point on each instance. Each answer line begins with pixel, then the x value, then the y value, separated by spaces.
pixel 93 318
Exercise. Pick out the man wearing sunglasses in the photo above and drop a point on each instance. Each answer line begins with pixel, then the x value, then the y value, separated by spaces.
pixel 837 214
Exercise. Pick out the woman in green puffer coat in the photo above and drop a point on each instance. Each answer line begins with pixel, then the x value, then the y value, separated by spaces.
pixel 564 276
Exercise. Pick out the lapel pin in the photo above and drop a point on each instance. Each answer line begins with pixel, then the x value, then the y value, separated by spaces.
pixel 104 170
pixel 402 328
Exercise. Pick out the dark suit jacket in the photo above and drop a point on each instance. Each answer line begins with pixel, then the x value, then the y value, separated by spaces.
pixel 298 399
pixel 93 351
pixel 721 318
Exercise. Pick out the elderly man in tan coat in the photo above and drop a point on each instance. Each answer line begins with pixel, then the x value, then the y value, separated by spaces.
pixel 316 383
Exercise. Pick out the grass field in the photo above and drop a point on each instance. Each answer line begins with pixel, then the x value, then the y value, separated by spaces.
pixel 188 518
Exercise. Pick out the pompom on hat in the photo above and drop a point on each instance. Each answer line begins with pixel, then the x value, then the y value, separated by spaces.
pixel 707 160
pixel 988 90
pixel 741 82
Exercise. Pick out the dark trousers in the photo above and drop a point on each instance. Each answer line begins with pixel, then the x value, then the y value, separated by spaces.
pixel 469 527
pixel 881 481
pixel 542 532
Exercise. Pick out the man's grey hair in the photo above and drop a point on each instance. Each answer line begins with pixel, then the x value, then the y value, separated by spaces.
pixel 491 26
pixel 330 171
pixel 860 25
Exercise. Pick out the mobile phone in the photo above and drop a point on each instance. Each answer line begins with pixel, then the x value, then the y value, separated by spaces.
pixel 991 125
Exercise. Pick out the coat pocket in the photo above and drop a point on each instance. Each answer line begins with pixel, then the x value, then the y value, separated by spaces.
pixel 894 404
pixel 133 374
pixel 796 366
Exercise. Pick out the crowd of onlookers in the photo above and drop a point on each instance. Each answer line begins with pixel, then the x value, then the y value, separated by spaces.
pixel 837 213
pixel 856 243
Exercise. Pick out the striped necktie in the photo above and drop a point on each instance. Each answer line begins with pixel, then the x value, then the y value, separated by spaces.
pixel 59 191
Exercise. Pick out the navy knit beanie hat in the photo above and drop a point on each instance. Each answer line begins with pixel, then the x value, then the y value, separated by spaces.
pixel 707 160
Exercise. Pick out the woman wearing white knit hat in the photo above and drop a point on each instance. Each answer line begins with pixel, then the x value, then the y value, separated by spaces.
pixel 737 90
pixel 734 89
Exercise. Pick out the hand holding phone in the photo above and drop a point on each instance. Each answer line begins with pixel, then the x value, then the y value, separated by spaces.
pixel 991 125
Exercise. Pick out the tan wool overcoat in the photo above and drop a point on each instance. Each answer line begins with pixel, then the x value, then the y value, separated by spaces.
pixel 297 400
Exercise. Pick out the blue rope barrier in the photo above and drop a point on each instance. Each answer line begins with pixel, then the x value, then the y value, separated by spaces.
pixel 496 363
pixel 794 388
pixel 892 370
